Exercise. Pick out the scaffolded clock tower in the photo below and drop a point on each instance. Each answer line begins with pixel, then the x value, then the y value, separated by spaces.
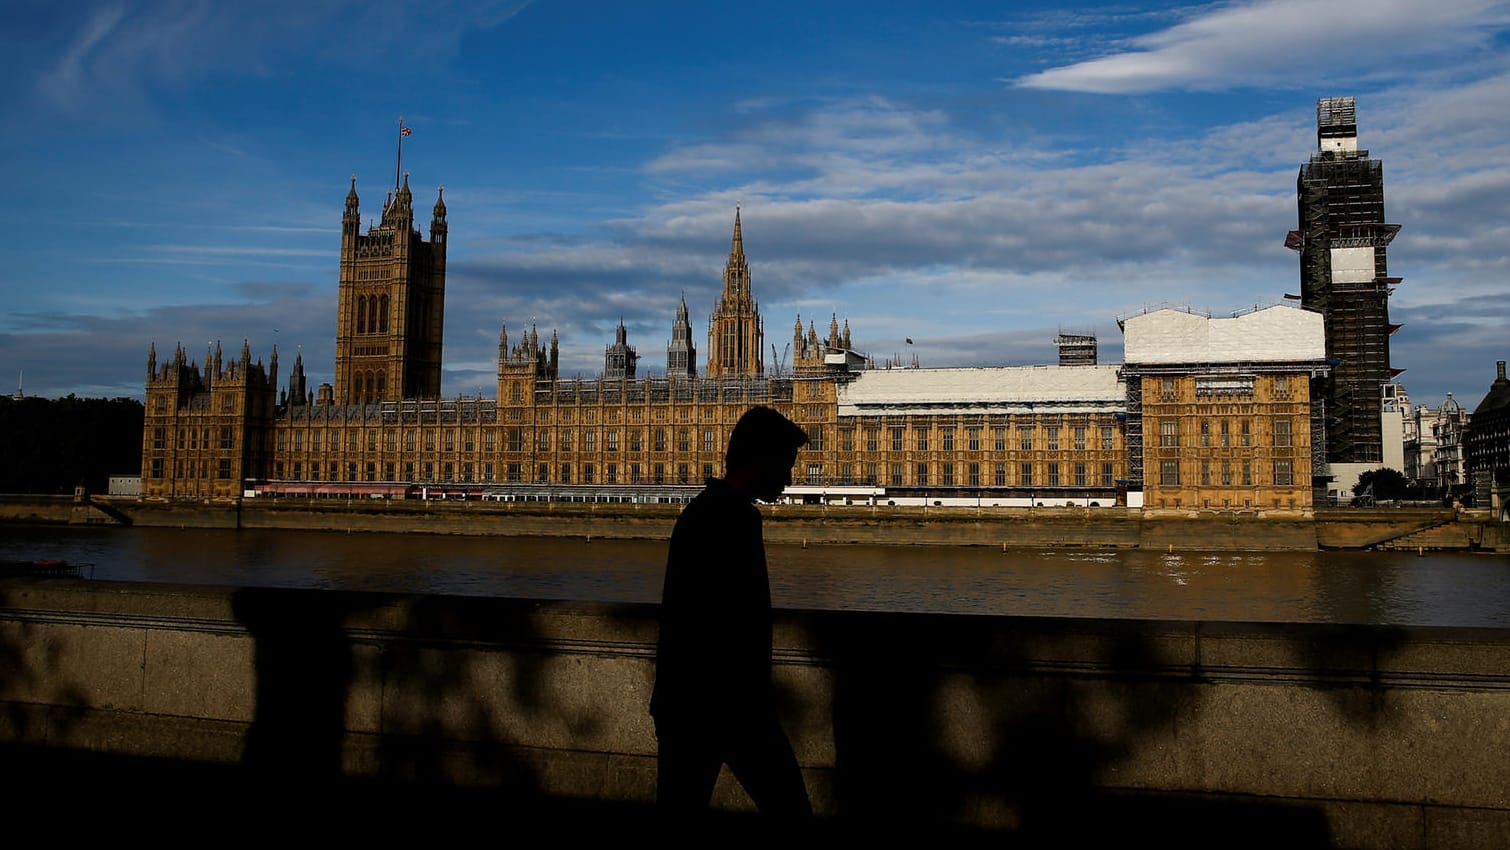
pixel 1343 242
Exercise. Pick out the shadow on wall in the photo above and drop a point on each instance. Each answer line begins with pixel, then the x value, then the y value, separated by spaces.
pixel 317 677
pixel 1026 750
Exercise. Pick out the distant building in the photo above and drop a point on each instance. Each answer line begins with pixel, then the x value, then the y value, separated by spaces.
pixel 1487 447
pixel 1220 414
pixel 1343 243
pixel 1076 349
pixel 1434 456
pixel 1232 394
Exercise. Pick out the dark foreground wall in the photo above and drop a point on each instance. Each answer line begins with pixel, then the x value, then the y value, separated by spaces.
pixel 1035 730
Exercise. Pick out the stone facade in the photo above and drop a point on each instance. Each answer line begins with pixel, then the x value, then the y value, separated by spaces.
pixel 1024 436
pixel 1488 447
pixel 1220 411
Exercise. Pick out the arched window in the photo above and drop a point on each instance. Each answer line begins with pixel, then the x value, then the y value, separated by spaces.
pixel 383 314
pixel 382 386
pixel 361 314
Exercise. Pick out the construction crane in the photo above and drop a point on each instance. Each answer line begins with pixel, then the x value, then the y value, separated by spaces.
pixel 778 362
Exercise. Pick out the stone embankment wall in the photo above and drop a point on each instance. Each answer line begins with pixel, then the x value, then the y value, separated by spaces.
pixel 1405 529
pixel 1062 730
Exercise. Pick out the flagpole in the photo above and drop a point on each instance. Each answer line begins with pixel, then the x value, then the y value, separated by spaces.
pixel 398 166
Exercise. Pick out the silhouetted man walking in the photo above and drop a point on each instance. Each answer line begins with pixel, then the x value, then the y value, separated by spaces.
pixel 713 702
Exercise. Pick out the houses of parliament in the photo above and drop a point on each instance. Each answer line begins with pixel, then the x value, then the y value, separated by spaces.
pixel 1204 414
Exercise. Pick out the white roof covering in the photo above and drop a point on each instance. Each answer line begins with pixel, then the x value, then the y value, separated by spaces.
pixel 1284 334
pixel 1002 389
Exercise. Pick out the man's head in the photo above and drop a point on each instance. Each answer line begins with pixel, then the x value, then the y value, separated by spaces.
pixel 762 449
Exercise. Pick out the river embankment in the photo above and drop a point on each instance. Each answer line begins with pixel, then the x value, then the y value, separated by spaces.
pixel 1409 529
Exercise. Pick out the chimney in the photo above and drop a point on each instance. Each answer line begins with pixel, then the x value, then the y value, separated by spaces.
pixel 1499 369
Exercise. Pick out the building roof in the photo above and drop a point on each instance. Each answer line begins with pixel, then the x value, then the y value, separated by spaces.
pixel 1001 389
pixel 1278 334
pixel 1498 397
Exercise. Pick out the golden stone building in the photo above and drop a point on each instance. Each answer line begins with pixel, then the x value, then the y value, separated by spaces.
pixel 1221 414
pixel 1034 435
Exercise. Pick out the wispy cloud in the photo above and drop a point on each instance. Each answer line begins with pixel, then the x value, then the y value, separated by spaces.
pixel 1284 43
pixel 119 48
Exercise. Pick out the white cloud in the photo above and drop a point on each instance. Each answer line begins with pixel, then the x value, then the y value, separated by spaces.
pixel 1285 43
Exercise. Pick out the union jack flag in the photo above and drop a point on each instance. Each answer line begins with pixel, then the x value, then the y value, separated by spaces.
pixel 404 131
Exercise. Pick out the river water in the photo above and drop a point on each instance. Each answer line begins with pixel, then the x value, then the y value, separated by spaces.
pixel 1438 589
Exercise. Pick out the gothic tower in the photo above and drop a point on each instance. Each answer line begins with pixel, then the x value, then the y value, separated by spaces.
pixel 1342 239
pixel 735 334
pixel 681 354
pixel 620 360
pixel 392 303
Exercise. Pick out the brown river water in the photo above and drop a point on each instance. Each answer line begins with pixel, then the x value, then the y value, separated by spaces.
pixel 1392 588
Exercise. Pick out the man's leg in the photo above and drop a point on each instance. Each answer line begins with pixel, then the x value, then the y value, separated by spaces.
pixel 687 767
pixel 761 758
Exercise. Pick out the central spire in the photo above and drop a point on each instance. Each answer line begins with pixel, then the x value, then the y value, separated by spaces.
pixel 735 336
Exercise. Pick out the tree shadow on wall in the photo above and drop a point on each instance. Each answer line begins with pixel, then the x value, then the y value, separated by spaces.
pixel 365 700
pixel 1031 751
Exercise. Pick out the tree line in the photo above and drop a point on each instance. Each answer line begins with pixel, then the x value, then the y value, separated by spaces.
pixel 54 445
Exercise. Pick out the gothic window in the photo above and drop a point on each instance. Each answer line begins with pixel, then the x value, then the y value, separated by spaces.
pixel 383 314
pixel 1283 473
pixel 1169 433
pixel 1106 437
pixel 948 436
pixel 1282 432
pixel 1053 475
pixel 1169 472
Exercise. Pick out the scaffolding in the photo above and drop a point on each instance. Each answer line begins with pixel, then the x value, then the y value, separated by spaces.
pixel 1340 198
pixel 1076 349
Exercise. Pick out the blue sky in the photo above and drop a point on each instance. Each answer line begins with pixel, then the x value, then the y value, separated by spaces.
pixel 974 176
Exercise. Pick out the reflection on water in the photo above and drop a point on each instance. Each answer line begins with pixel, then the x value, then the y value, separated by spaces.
pixel 1451 589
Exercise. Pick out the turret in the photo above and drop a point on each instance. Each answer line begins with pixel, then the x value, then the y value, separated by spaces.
pixel 438 218
pixel 351 220
pixel 297 390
